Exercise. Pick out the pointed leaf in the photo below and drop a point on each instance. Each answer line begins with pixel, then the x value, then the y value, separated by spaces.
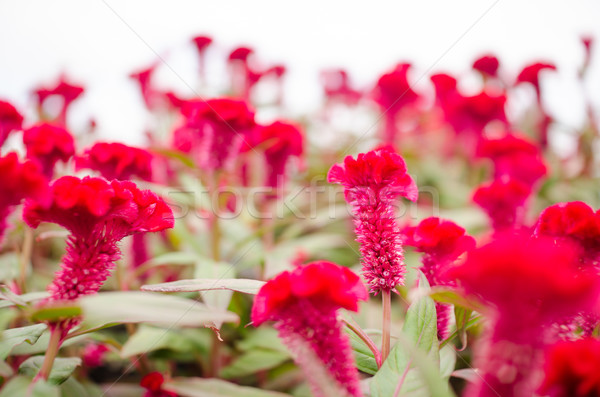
pixel 61 369
pixel 246 286
pixel 19 386
pixel 253 361
pixel 14 337
pixel 148 339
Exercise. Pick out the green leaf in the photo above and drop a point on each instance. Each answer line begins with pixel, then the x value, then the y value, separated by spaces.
pixel 6 370
pixel 462 316
pixel 174 258
pixel 19 385
pixel 55 312
pixel 72 388
pixel 263 337
pixel 22 299
pixel 14 337
pixel 447 361
pixel 146 307
pixel 244 285
pixel 148 339
pixel 41 345
pixel 253 361
pixel 449 295
pixel 61 369
pixel 199 387
pixel 413 364
pixel 365 360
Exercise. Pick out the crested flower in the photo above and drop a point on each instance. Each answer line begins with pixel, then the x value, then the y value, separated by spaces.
pixel 202 43
pixel 487 65
pixel 392 93
pixel 514 156
pixel 93 354
pixel 98 215
pixel 280 141
pixel 531 74
pixel 144 79
pixel 372 182
pixel 337 87
pixel 65 91
pixel 47 144
pixel 214 131
pixel 304 304
pixel 17 182
pixel 153 383
pixel 527 285
pixel 10 120
pixel 504 201
pixel 441 242
pixel 572 369
pixel 117 161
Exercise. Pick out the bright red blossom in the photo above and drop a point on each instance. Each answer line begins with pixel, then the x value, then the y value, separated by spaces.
pixel 153 383
pixel 572 369
pixel 531 74
pixel 66 91
pixel 372 182
pixel 10 120
pixel 504 202
pixel 304 304
pixel 487 64
pixel 117 161
pixel 47 144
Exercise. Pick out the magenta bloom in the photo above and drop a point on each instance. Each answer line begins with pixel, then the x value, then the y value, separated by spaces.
pixel 144 78
pixel 117 161
pixel 372 182
pixel 487 65
pixel 504 201
pixel 572 369
pixel 47 144
pixel 392 93
pixel 202 43
pixel 337 87
pixel 17 182
pixel 93 354
pixel 98 214
pixel 10 120
pixel 441 242
pixel 527 285
pixel 531 74
pixel 304 303
pixel 214 131
pixel 153 383
pixel 514 156
pixel 63 90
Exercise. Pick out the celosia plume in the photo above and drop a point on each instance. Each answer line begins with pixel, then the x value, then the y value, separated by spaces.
pixel 372 183
pixel 304 304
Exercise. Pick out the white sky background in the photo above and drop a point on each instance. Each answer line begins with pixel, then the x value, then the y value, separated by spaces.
pixel 97 46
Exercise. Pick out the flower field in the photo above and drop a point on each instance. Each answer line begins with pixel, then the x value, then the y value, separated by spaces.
pixel 449 248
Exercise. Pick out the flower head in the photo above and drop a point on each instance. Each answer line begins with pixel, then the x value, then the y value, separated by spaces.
pixel 393 90
pixel 47 144
pixel 572 369
pixel 153 383
pixel 117 161
pixel 17 182
pixel 144 79
pixel 504 202
pixel 66 91
pixel 202 43
pixel 10 120
pixel 531 74
pixel 304 304
pixel 337 86
pixel 487 65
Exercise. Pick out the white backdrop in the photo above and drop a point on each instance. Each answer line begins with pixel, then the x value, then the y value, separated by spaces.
pixel 99 42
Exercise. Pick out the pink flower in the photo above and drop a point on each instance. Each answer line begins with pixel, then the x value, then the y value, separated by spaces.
pixel 10 120
pixel 304 303
pixel 337 86
pixel 442 242
pixel 202 43
pixel 504 202
pixel 527 285
pixel 17 182
pixel 64 90
pixel 144 78
pixel 47 144
pixel 372 182
pixel 572 369
pixel 488 65
pixel 153 383
pixel 514 156
pixel 117 161
pixel 392 93
pixel 531 74
pixel 98 214
pixel 93 354
pixel 214 131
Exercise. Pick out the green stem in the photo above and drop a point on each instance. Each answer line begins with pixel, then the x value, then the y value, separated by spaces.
pixel 51 352
pixel 365 338
pixel 386 297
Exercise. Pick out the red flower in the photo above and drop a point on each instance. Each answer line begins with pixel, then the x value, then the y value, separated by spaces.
pixel 280 141
pixel 372 182
pixel 93 354
pixel 487 65
pixel 47 144
pixel 153 383
pixel 17 182
pixel 392 93
pixel 514 156
pixel 10 120
pixel 117 161
pixel 504 202
pixel 336 85
pixel 66 91
pixel 531 74
pixel 572 369
pixel 202 43
pixel 214 131
pixel 240 54
pixel 98 214
pixel 528 285
pixel 442 242
pixel 144 78
pixel 575 224
pixel 304 304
